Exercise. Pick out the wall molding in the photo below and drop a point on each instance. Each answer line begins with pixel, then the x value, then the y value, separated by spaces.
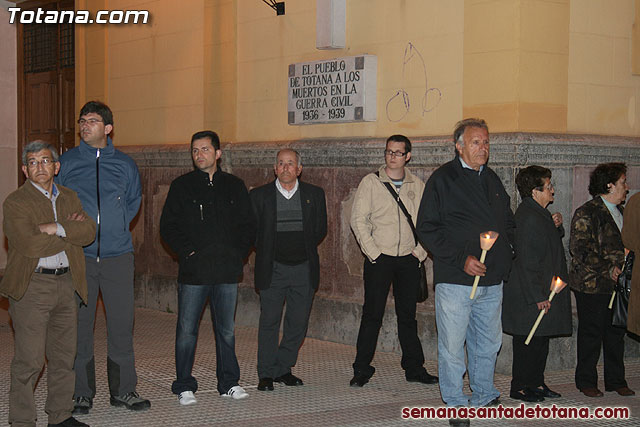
pixel 507 149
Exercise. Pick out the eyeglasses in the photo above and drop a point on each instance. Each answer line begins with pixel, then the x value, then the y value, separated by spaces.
pixel 89 121
pixel 394 153
pixel 545 187
pixel 44 162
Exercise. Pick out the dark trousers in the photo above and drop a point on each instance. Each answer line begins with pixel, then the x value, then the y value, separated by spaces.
pixel 595 331
pixel 113 277
pixel 529 362
pixel 44 321
pixel 403 272
pixel 289 284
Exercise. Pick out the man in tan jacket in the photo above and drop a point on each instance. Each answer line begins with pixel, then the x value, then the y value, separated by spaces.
pixel 46 229
pixel 391 255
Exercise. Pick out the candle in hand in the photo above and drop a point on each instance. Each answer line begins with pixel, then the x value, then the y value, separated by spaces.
pixel 487 239
pixel 556 286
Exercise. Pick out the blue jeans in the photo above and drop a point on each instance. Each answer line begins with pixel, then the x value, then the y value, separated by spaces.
pixel 222 302
pixel 478 322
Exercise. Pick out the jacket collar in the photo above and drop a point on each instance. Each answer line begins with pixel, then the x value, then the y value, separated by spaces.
pixel 605 214
pixel 87 149
pixel 535 206
pixel 408 176
pixel 462 169
pixel 30 188
pixel 597 200
pixel 204 176
pixel 465 179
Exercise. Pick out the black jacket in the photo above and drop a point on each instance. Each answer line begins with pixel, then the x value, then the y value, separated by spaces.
pixel 214 221
pixel 314 228
pixel 539 257
pixel 453 212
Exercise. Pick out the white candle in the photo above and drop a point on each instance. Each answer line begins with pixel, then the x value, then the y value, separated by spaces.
pixel 487 239
pixel 556 286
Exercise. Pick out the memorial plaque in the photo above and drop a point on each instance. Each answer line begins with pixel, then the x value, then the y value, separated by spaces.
pixel 338 90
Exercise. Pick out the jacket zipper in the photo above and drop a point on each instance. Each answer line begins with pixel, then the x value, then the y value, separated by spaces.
pixel 399 224
pixel 201 216
pixel 98 199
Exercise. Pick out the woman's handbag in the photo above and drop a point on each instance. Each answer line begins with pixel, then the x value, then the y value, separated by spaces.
pixel 623 290
pixel 423 292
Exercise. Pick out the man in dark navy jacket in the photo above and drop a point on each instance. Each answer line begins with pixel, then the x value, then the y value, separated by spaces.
pixel 462 199
pixel 207 222
pixel 292 220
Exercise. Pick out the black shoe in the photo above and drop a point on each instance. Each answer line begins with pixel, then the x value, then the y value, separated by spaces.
pixel 424 378
pixel 131 401
pixel 265 384
pixel 288 379
pixel 459 422
pixel 494 402
pixel 545 391
pixel 526 395
pixel 358 380
pixel 81 405
pixel 70 422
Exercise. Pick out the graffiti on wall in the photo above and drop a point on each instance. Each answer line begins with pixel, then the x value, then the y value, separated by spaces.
pixel 400 104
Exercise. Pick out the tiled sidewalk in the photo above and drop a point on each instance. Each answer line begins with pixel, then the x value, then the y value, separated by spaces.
pixel 325 400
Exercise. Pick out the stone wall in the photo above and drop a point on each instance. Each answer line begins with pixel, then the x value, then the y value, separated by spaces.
pixel 338 166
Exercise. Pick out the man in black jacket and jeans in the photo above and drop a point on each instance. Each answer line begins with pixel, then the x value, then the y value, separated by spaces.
pixel 207 222
pixel 462 199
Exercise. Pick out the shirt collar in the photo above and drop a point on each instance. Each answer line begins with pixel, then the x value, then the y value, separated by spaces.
pixel 612 207
pixel 54 190
pixel 286 193
pixel 615 213
pixel 466 166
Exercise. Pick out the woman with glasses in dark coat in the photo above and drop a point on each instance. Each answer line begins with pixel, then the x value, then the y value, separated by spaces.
pixel 539 257
pixel 597 255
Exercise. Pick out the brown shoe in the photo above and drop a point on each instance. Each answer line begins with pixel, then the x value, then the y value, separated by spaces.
pixel 591 392
pixel 623 391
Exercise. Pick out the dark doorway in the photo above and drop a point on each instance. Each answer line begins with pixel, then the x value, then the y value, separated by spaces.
pixel 46 92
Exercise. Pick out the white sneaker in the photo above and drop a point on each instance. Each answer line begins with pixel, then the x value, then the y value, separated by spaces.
pixel 236 392
pixel 187 398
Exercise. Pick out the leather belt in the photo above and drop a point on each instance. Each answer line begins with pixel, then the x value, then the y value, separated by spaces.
pixel 56 271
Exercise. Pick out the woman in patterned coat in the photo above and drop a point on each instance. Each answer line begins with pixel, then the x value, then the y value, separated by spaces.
pixel 597 257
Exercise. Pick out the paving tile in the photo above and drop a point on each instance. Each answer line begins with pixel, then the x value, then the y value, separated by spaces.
pixel 325 400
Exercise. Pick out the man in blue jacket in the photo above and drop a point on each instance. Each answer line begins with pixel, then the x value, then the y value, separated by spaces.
pixel 207 222
pixel 108 184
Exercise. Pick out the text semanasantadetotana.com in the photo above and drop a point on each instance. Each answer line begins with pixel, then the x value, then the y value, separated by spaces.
pixel 43 16
pixel 518 412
